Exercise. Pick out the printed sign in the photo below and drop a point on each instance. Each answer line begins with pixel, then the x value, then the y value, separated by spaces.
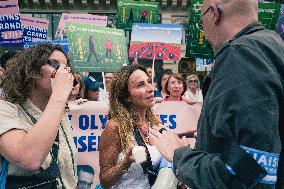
pixel 96 49
pixel 156 41
pixel 179 116
pixel 268 14
pixel 130 12
pixel 197 46
pixel 88 121
pixel 203 64
pixel 62 42
pixel 61 32
pixel 34 29
pixel 10 23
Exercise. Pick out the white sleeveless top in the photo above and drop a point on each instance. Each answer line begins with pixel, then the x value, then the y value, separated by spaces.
pixel 134 178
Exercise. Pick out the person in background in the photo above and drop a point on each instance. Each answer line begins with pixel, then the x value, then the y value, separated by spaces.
pixel 92 88
pixel 175 88
pixel 85 176
pixel 130 17
pixel 240 128
pixel 135 61
pixel 193 93
pixel 77 94
pixel 3 62
pixel 150 72
pixel 78 90
pixel 92 50
pixel 104 94
pixel 35 133
pixel 161 85
pixel 108 46
pixel 143 16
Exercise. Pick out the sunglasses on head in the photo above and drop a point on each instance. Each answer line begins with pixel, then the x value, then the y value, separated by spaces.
pixel 55 65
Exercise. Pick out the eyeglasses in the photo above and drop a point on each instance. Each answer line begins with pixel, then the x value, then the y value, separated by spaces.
pixel 200 22
pixel 192 81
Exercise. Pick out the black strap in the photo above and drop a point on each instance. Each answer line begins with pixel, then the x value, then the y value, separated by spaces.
pixel 45 179
pixel 55 146
pixel 147 166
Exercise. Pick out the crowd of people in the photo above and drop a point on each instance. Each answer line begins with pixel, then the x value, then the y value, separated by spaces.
pixel 240 130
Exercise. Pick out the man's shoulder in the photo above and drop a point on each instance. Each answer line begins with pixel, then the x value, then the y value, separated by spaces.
pixel 262 38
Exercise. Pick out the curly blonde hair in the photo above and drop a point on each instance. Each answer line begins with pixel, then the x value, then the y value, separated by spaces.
pixel 120 108
pixel 24 69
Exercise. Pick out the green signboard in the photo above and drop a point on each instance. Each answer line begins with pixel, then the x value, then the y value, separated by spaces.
pixel 197 46
pixel 268 14
pixel 130 12
pixel 95 48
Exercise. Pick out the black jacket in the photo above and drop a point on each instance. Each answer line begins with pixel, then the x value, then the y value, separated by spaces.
pixel 240 119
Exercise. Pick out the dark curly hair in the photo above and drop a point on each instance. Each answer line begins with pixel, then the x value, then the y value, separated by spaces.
pixel 23 70
pixel 120 108
pixel 180 78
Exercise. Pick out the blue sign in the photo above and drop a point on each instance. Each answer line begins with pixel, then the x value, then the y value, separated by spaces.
pixel 10 24
pixel 63 43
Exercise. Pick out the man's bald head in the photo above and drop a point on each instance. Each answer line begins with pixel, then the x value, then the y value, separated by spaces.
pixel 226 18
pixel 238 7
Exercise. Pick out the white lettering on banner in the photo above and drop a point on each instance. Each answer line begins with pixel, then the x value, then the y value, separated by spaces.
pixel 11 17
pixel 11 34
pixel 266 11
pixel 120 3
pixel 267 160
pixel 33 28
pixel 10 26
pixel 36 34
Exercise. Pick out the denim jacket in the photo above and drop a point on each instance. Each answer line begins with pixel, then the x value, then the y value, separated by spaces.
pixel 238 143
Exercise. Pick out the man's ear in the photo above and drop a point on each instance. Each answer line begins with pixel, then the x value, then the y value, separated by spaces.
pixel 217 13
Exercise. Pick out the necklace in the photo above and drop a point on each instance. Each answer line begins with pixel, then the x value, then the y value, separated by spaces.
pixel 146 133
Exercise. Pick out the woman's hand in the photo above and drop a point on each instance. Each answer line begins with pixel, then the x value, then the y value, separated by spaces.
pixel 62 83
pixel 81 101
pixel 128 155
pixel 191 102
pixel 166 141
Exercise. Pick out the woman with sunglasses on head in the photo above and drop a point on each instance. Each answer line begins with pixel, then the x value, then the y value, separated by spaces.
pixel 131 102
pixel 35 134
pixel 193 93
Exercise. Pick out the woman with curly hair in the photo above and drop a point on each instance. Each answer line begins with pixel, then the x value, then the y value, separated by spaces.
pixel 35 135
pixel 131 100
